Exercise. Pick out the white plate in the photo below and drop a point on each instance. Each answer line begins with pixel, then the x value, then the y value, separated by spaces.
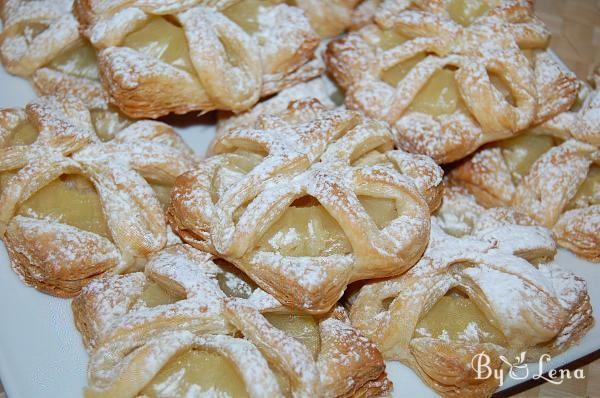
pixel 41 353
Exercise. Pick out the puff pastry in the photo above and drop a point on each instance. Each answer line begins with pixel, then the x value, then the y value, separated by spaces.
pixel 447 88
pixel 548 174
pixel 73 207
pixel 321 89
pixel 306 207
pixel 171 331
pixel 40 40
pixel 157 58
pixel 329 18
pixel 489 291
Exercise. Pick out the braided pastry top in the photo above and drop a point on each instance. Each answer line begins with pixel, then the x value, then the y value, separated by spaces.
pixel 550 173
pixel 447 88
pixel 158 57
pixel 149 331
pixel 489 291
pixel 73 207
pixel 306 207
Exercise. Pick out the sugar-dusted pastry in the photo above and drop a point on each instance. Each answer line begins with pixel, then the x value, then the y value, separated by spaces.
pixel 489 292
pixel 40 41
pixel 321 89
pixel 158 58
pixel 306 207
pixel 548 174
pixel 450 78
pixel 192 325
pixel 329 18
pixel 34 33
pixel 73 207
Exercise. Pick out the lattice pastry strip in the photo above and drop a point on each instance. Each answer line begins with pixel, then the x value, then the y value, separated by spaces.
pixel 40 40
pixel 320 89
pixel 73 207
pixel 157 58
pixel 158 333
pixel 489 291
pixel 306 207
pixel 445 88
pixel 553 181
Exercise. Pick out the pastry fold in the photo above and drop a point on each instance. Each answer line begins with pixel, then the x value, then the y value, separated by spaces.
pixel 160 58
pixel 51 153
pixel 519 301
pixel 322 168
pixel 447 85
pixel 204 305
pixel 550 173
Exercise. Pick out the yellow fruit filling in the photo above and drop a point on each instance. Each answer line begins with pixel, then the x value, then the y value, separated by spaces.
pixel 163 40
pixel 305 231
pixel 245 13
pixel 382 211
pixel 465 12
pixel 154 295
pixel 388 39
pixel 589 192
pixel 439 96
pixel 24 134
pixel 70 199
pixel 521 152
pixel 195 372
pixel 80 60
pixel 303 328
pixel 107 122
pixel 457 318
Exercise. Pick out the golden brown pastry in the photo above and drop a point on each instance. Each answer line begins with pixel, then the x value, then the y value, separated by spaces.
pixel 73 207
pixel 306 207
pixel 40 41
pixel 321 89
pixel 328 17
pixel 190 324
pixel 157 58
pixel 450 78
pixel 487 291
pixel 548 174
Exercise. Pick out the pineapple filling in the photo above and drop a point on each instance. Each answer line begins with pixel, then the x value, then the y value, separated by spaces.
pixel 465 12
pixel 108 122
pixel 154 295
pixel 303 328
pixel 239 163
pixel 382 210
pixel 305 229
pixel 522 151
pixel 70 199
pixel 23 134
pixel 163 193
pixel 439 96
pixel 80 60
pixel 589 192
pixel 388 39
pixel 399 71
pixel 196 373
pixel 245 13
pixel 233 282
pixel 164 40
pixel 456 318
